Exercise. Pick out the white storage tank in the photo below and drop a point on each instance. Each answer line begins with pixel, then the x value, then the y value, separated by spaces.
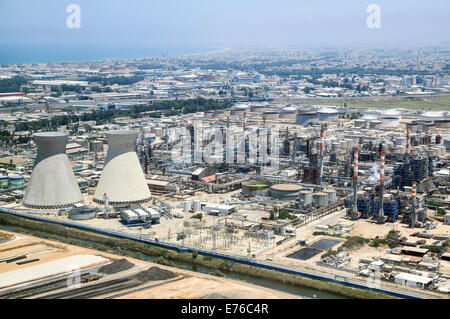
pixel 331 195
pixel 197 205
pixel 305 197
pixel 187 205
pixel 321 199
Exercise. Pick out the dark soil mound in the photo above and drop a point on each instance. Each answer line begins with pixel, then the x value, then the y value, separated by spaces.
pixel 155 273
pixel 116 266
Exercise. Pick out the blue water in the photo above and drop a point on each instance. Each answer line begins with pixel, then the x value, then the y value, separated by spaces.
pixel 35 53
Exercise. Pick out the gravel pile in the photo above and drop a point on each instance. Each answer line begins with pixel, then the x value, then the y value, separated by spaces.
pixel 155 273
pixel 116 266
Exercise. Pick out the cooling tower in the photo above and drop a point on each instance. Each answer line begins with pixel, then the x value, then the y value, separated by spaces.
pixel 122 179
pixel 52 183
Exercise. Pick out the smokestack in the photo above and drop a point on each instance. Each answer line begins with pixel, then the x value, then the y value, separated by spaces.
pixel 382 165
pixel 52 184
pixel 122 179
pixel 408 141
pixel 412 218
pixel 322 134
pixel 245 121
pixel 355 214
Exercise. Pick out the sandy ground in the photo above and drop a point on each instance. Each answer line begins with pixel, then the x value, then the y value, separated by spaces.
pixel 205 286
pixel 193 285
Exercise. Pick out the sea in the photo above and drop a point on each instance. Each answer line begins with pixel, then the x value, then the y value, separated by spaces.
pixel 29 54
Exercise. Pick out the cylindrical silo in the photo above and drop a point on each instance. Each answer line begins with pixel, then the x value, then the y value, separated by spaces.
pixel 197 205
pixel 305 197
pixel 52 184
pixel 3 182
pixel 285 191
pixel 306 117
pixel 321 199
pixel 331 195
pixel 96 146
pixel 122 179
pixel 187 205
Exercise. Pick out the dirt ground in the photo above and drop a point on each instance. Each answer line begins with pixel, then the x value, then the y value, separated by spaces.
pixel 204 287
pixel 193 285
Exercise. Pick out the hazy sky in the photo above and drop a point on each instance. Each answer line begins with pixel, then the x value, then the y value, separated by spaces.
pixel 229 23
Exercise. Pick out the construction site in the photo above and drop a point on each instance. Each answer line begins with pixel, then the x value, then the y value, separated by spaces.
pixel 358 196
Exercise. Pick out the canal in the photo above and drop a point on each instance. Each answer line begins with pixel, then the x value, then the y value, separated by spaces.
pixel 272 284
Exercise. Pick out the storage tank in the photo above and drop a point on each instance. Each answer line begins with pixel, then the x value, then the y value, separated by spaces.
pixel 4 180
pixel 16 180
pixel 259 108
pixel 187 205
pixel 288 113
pixel 270 115
pixel 359 123
pixel 256 188
pixel 390 117
pixel 96 146
pixel 332 196
pixel 328 114
pixel 285 191
pixel 305 117
pixel 197 205
pixel 375 124
pixel 83 213
pixel 321 199
pixel 305 197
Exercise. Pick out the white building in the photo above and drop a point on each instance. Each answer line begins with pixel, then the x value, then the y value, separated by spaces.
pixel 411 280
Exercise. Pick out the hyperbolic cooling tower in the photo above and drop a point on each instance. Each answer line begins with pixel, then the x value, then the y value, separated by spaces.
pixel 122 179
pixel 52 183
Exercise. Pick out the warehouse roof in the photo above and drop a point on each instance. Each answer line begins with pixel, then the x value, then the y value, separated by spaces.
pixel 413 278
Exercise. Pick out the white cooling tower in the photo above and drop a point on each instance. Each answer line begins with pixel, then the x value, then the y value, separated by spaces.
pixel 122 179
pixel 52 183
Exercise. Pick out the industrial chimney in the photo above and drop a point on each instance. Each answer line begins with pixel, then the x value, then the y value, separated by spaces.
pixel 122 179
pixel 52 184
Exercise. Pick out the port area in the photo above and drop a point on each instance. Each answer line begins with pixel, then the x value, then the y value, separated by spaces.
pixel 56 270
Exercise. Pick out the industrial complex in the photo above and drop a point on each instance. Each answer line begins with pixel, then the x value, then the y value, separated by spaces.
pixel 363 197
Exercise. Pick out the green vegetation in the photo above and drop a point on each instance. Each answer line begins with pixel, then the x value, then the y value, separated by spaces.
pixel 128 248
pixel 434 203
pixel 319 233
pixel 282 214
pixel 258 185
pixel 108 116
pixel 441 211
pixel 353 242
pixel 197 216
pixel 438 249
pixel 217 273
pixel 12 85
pixel 399 102
pixel 120 80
